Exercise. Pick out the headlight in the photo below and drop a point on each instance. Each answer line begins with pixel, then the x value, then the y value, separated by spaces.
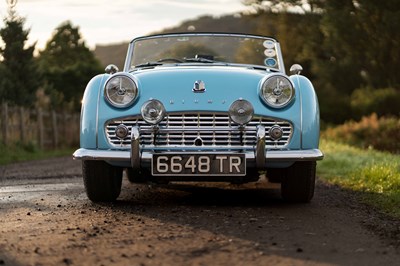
pixel 153 111
pixel 277 91
pixel 120 90
pixel 241 111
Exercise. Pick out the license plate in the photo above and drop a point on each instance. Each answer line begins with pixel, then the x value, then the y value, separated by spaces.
pixel 198 164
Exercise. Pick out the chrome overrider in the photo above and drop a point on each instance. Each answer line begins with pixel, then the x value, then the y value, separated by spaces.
pixel 140 156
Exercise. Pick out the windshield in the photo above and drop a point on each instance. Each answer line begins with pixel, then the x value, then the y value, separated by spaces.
pixel 205 48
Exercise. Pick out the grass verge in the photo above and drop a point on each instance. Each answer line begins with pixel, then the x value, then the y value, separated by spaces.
pixel 375 174
pixel 27 152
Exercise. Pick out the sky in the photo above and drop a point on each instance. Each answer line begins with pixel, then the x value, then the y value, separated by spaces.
pixel 112 21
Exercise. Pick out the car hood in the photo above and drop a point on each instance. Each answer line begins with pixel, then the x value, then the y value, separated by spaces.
pixel 173 86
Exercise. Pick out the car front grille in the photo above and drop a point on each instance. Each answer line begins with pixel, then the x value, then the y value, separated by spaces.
pixel 179 129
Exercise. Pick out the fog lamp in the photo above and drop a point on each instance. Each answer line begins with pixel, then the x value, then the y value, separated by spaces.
pixel 241 111
pixel 153 111
pixel 121 131
pixel 276 132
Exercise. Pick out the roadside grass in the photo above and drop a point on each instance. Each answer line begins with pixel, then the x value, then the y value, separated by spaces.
pixel 375 174
pixel 27 152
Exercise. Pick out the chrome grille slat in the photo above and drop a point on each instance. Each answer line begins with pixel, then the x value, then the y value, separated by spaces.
pixel 213 129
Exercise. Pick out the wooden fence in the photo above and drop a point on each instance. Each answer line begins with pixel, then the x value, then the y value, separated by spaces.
pixel 47 129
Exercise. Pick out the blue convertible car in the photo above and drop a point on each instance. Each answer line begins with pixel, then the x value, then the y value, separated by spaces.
pixel 200 107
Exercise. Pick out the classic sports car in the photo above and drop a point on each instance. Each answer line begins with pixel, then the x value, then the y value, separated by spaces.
pixel 200 107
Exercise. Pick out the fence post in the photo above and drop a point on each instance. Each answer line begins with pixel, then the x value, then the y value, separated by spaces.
pixel 41 127
pixel 66 139
pixel 55 129
pixel 22 124
pixel 4 128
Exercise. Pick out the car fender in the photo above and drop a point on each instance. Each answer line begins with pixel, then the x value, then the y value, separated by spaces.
pixel 309 112
pixel 89 112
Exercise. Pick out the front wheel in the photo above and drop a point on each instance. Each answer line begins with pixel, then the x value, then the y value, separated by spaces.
pixel 137 176
pixel 298 183
pixel 102 181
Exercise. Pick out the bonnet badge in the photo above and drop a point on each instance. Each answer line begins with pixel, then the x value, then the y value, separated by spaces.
pixel 199 86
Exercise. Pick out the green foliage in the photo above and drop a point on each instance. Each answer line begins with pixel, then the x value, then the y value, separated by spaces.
pixel 381 101
pixel 67 65
pixel 18 70
pixel 346 44
pixel 379 23
pixel 371 132
pixel 19 152
pixel 375 174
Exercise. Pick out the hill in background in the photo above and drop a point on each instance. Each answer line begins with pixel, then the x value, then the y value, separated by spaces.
pixel 112 54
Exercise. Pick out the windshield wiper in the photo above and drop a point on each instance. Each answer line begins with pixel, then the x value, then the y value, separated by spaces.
pixel 159 62
pixel 199 59
pixel 149 64
pixel 206 61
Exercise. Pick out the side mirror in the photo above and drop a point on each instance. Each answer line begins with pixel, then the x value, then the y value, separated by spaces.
pixel 296 69
pixel 111 69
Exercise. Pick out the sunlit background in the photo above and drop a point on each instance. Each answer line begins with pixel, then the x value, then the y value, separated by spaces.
pixel 105 22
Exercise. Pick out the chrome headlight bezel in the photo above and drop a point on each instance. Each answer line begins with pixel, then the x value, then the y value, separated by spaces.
pixel 121 90
pixel 277 91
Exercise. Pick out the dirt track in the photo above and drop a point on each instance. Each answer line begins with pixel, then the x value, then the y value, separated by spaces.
pixel 46 219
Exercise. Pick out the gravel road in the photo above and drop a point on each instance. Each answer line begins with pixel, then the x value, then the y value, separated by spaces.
pixel 46 219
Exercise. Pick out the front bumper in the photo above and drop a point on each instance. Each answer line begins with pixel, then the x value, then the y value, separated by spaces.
pixel 139 156
pixel 273 155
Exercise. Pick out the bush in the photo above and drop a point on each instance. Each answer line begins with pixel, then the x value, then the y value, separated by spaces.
pixel 380 101
pixel 370 132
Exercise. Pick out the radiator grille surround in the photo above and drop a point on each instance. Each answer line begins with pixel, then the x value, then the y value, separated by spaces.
pixel 185 129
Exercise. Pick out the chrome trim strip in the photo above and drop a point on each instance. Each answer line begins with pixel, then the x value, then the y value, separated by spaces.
pixel 128 58
pixel 301 112
pixel 180 148
pixel 170 129
pixel 125 155
pixel 280 58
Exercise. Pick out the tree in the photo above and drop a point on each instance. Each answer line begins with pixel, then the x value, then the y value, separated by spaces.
pixel 67 65
pixel 348 44
pixel 380 22
pixel 18 70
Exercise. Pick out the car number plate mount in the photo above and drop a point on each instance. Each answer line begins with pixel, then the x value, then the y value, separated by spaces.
pixel 198 164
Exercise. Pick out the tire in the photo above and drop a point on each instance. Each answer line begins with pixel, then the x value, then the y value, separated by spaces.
pixel 135 176
pixel 252 175
pixel 298 183
pixel 275 175
pixel 102 181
